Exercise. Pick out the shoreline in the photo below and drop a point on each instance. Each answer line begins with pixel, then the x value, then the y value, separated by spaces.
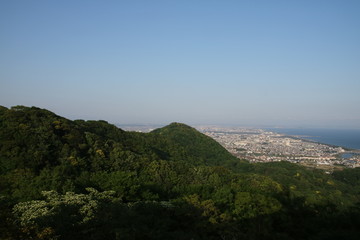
pixel 347 150
pixel 308 138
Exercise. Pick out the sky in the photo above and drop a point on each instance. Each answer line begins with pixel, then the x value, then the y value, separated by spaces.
pixel 254 63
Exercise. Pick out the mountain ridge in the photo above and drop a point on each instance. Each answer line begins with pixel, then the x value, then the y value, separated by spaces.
pixel 63 179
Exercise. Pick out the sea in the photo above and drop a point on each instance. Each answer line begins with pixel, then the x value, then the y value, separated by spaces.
pixel 347 138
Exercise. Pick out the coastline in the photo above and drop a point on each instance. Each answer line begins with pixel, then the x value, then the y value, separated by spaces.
pixel 347 150
pixel 348 139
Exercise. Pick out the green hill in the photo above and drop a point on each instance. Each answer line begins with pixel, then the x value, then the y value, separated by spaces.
pixel 63 179
pixel 184 142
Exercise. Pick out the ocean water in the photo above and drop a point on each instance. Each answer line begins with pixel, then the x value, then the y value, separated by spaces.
pixel 339 137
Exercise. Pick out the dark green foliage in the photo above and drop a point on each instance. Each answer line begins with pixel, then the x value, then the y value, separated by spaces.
pixel 62 179
pixel 182 142
pixel 349 176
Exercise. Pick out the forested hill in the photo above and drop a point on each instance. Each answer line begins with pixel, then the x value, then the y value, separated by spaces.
pixel 185 142
pixel 37 138
pixel 63 179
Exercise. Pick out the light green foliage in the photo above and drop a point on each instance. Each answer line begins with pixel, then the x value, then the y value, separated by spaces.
pixel 84 205
pixel 247 205
pixel 29 212
pixel 207 207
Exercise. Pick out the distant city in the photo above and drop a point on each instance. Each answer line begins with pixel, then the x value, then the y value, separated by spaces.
pixel 259 145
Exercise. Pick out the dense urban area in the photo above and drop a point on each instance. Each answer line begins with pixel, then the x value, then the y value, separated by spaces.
pixel 258 145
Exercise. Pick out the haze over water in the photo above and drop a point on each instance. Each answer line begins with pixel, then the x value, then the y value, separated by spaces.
pixel 349 138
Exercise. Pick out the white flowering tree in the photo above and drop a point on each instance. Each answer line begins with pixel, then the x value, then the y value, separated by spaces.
pixel 58 214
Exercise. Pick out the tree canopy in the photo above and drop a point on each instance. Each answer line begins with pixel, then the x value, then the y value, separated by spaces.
pixel 63 179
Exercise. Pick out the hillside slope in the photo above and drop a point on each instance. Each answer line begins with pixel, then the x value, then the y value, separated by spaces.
pixel 63 179
pixel 185 142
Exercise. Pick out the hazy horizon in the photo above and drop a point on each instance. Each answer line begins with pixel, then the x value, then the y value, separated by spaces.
pixel 245 63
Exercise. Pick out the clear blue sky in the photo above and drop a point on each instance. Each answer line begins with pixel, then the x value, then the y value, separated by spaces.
pixel 274 63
